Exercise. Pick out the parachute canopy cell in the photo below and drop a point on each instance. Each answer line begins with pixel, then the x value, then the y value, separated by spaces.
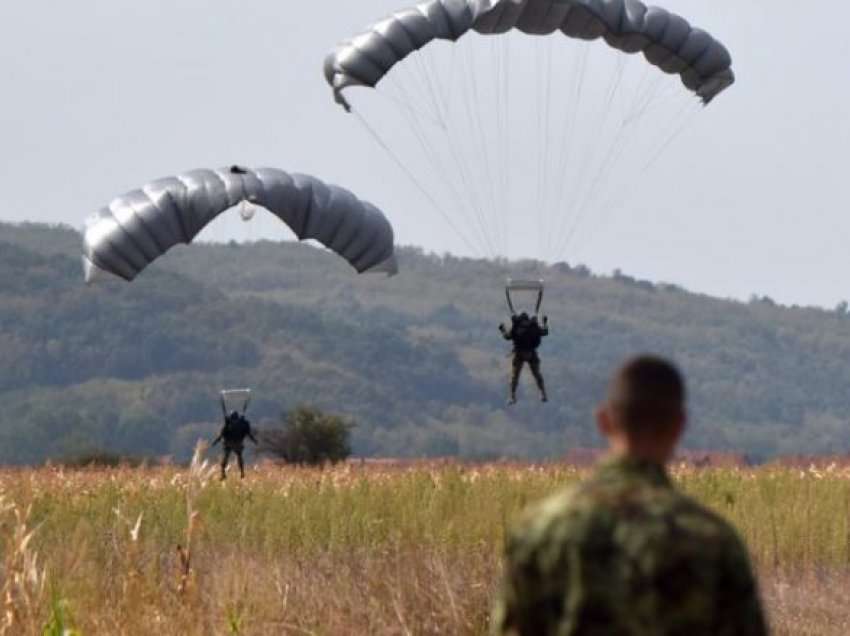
pixel 140 226
pixel 666 40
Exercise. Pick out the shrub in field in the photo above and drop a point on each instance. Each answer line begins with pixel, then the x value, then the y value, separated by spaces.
pixel 309 436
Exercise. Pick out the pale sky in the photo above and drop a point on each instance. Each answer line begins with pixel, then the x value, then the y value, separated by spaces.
pixel 100 96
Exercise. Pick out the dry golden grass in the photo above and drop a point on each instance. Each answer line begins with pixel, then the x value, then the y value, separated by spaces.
pixel 357 549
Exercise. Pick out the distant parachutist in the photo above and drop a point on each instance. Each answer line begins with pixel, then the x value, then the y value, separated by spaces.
pixel 527 334
pixel 236 428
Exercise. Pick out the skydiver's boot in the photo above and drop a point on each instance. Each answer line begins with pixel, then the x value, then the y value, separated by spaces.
pixel 516 369
pixel 224 461
pixel 541 384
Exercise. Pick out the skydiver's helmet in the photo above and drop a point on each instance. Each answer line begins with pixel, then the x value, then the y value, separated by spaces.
pixel 233 418
pixel 523 318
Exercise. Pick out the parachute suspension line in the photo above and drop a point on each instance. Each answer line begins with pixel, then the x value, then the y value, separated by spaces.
pixel 680 122
pixel 614 152
pixel 467 194
pixel 432 91
pixel 645 95
pixel 469 184
pixel 497 123
pixel 413 180
pixel 414 112
pixel 541 136
pixel 431 154
pixel 502 140
pixel 506 140
pixel 404 102
pixel 574 174
pixel 439 169
pixel 612 155
pixel 612 201
pixel 503 136
pixel 547 149
pixel 439 166
pixel 685 117
pixel 571 114
pixel 550 175
pixel 590 187
pixel 445 93
pixel 486 126
pixel 463 140
pixel 625 134
pixel 578 194
pixel 471 127
pixel 477 116
pixel 538 117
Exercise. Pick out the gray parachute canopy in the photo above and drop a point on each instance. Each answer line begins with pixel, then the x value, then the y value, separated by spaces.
pixel 666 40
pixel 139 227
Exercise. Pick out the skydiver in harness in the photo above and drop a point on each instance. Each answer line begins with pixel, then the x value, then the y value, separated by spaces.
pixel 527 335
pixel 236 428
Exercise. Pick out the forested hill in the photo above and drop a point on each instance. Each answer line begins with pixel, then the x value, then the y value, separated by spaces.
pixel 416 360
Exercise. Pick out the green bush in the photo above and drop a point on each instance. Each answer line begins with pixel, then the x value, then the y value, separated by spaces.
pixel 309 436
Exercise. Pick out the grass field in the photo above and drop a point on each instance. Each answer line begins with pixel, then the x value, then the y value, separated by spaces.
pixel 357 549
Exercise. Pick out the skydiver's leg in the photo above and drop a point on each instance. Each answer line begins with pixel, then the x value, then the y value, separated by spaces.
pixel 225 459
pixel 538 377
pixel 241 464
pixel 516 370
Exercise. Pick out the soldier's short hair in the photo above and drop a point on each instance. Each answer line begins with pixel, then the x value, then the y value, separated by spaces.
pixel 648 394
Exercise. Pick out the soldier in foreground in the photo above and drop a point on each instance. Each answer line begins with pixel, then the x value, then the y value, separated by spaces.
pixel 236 429
pixel 624 553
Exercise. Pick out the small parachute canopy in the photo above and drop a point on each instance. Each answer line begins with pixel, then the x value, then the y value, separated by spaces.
pixel 666 40
pixel 140 226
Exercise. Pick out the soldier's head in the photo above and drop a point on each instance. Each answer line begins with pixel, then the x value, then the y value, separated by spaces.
pixel 234 416
pixel 523 317
pixel 644 413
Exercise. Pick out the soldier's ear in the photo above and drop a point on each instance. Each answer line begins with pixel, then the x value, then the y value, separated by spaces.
pixel 604 422
pixel 681 425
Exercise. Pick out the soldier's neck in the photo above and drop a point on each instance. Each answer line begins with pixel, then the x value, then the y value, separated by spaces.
pixel 655 454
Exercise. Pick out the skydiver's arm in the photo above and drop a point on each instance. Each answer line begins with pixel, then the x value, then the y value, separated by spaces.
pixel 217 439
pixel 507 335
pixel 545 330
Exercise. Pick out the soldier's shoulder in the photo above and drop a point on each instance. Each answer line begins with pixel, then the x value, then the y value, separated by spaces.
pixel 555 518
pixel 702 523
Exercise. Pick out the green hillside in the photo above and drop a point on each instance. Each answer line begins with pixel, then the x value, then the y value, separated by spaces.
pixel 415 359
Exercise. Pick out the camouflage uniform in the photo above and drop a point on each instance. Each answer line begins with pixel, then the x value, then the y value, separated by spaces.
pixel 625 554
